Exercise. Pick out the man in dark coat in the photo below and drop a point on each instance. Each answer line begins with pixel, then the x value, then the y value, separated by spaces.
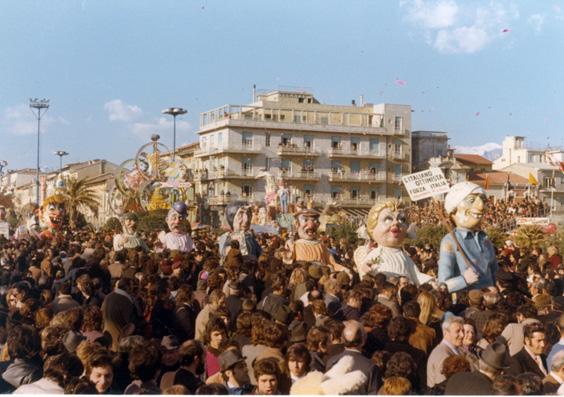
pixel 531 358
pixel 492 361
pixel 354 337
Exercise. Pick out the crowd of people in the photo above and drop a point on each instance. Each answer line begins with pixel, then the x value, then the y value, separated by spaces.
pixel 80 315
pixel 500 213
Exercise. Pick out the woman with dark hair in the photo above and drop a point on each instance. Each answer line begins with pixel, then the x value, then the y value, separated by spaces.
pixel 317 342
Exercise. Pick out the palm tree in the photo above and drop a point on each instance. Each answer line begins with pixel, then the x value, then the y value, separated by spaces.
pixel 78 197
pixel 529 236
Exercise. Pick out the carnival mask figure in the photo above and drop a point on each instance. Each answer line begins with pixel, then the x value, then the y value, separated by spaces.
pixel 308 248
pixel 177 239
pixel 238 216
pixel 387 226
pixel 308 223
pixel 129 239
pixel 467 257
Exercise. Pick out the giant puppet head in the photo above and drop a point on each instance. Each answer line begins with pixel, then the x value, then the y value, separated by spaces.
pixel 176 217
pixel 307 223
pixel 53 211
pixel 129 223
pixel 465 203
pixel 238 216
pixel 387 223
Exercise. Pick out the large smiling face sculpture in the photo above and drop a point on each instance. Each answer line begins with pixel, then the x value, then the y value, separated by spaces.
pixel 466 205
pixel 53 212
pixel 387 223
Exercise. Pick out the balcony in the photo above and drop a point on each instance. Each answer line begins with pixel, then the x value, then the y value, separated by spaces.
pixel 362 176
pixel 400 156
pixel 359 202
pixel 347 153
pixel 295 150
pixel 219 200
pixel 230 174
pixel 300 175
pixel 245 148
pixel 283 118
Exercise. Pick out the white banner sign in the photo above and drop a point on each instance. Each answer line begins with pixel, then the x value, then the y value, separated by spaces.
pixel 532 221
pixel 425 184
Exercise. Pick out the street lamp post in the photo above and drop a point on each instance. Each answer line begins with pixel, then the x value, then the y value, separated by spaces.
pixel 174 112
pixel 61 153
pixel 38 104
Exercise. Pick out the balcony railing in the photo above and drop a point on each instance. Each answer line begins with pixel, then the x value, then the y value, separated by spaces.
pixel 362 176
pixel 296 150
pixel 308 175
pixel 338 117
pixel 340 152
pixel 359 201
pixel 400 156
pixel 246 147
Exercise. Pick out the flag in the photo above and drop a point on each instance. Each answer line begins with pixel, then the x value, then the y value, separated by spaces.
pixel 532 180
pixel 486 184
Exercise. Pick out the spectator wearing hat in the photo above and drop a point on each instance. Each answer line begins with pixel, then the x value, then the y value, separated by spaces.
pixel 235 372
pixel 492 361
pixel 170 355
pixel 531 358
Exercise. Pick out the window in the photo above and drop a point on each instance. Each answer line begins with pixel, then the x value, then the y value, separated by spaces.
pixel 309 100
pixel 286 140
pixel 308 143
pixel 374 145
pixel 247 139
pixel 308 191
pixel 355 144
pixel 354 194
pixel 398 123
pixel 267 163
pixel 220 140
pixel 336 166
pixel 335 193
pixel 285 165
pixel 397 170
pixel 247 166
pixel 335 142
pixel 307 165
pixel 355 166
pixel 323 119
pixel 373 195
pixel 247 191
pixel 300 100
pixel 397 148
pixel 267 139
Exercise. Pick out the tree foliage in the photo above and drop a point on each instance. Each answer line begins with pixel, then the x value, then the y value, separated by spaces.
pixel 152 220
pixel 497 236
pixel 529 236
pixel 345 230
pixel 429 234
pixel 78 197
pixel 113 224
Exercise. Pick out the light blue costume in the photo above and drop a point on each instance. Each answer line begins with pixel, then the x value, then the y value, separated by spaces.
pixel 478 248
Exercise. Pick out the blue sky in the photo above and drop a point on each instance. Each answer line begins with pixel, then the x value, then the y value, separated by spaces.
pixel 479 70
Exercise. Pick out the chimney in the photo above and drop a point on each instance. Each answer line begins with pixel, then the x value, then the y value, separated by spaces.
pixel 353 102
pixel 361 100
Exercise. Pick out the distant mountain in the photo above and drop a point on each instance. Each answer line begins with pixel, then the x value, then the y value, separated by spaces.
pixel 491 151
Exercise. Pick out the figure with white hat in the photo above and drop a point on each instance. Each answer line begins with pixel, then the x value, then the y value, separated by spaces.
pixel 178 238
pixel 467 256
pixel 129 238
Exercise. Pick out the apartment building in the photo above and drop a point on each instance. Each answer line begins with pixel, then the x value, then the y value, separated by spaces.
pixel 349 154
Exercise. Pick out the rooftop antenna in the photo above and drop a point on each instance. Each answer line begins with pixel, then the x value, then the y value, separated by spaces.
pixel 254 93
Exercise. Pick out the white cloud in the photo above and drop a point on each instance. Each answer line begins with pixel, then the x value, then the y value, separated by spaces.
pixel 120 111
pixel 489 150
pixel 439 15
pixel 162 126
pixel 536 21
pixel 19 120
pixel 451 27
